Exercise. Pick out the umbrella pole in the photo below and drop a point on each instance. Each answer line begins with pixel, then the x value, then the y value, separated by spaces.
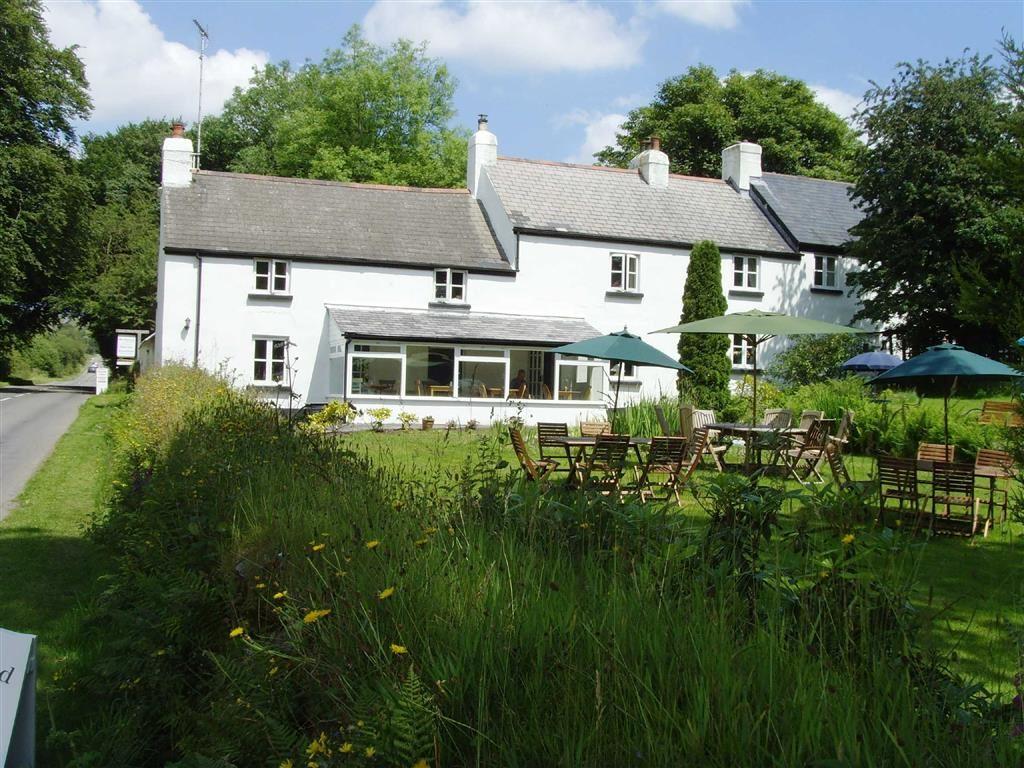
pixel 753 344
pixel 615 405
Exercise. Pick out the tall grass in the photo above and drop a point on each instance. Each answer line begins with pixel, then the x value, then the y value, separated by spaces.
pixel 280 598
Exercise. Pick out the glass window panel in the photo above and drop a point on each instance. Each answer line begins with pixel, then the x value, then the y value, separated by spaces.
pixel 260 352
pixel 478 352
pixel 429 370
pixel 538 368
pixel 482 378
pixel 391 348
pixel 376 375
pixel 581 382
pixel 262 275
pixel 458 278
pixel 457 293
pixel 259 372
pixel 737 274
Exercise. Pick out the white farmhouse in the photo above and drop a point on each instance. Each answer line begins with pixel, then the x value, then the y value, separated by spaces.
pixel 447 302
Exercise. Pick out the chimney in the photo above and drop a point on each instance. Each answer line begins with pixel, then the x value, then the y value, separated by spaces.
pixel 740 163
pixel 652 163
pixel 483 150
pixel 176 170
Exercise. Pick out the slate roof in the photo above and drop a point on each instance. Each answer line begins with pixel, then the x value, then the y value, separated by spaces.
pixel 232 213
pixel 458 325
pixel 565 199
pixel 816 212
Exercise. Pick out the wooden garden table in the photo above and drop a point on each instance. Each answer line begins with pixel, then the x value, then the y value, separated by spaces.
pixel 576 448
pixel 749 432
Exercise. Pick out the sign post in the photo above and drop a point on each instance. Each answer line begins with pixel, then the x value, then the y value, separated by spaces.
pixel 17 700
pixel 102 379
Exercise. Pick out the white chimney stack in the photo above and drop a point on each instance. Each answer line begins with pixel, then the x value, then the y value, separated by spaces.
pixel 176 170
pixel 740 163
pixel 483 151
pixel 652 163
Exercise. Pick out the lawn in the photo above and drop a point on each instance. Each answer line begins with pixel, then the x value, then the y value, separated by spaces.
pixel 970 592
pixel 47 565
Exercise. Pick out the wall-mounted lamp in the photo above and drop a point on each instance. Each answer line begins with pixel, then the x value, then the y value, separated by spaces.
pixel 188 322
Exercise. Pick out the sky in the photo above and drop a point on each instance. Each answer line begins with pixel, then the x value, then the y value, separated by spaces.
pixel 556 78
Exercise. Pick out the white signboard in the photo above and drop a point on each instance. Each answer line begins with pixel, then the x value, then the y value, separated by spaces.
pixel 17 699
pixel 102 381
pixel 126 346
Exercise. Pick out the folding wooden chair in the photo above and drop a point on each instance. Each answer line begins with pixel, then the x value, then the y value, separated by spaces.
pixel 810 451
pixel 700 419
pixel 595 428
pixel 897 481
pixel 665 457
pixel 549 442
pixel 537 471
pixel 953 486
pixel 605 464
pixel 839 472
pixel 996 467
pixel 777 418
pixel 933 452
pixel 809 417
pixel 842 435
pixel 659 413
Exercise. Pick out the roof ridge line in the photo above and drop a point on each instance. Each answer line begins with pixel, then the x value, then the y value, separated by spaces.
pixel 611 168
pixel 328 183
pixel 803 178
pixel 456 311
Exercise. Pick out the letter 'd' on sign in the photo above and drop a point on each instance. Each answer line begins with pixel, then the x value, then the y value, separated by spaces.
pixel 17 699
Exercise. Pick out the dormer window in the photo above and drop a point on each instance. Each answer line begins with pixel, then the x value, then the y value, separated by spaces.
pixel 625 272
pixel 271 276
pixel 449 285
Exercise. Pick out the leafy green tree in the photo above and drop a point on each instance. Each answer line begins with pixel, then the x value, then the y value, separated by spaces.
pixel 43 202
pixel 697 115
pixel 814 358
pixel 937 249
pixel 363 113
pixel 706 354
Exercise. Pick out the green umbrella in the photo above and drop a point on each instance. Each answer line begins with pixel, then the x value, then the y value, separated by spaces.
pixel 621 347
pixel 947 363
pixel 759 326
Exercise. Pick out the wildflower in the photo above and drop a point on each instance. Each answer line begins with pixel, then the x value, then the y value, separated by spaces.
pixel 421 763
pixel 314 615
pixel 823 575
pixel 281 595
pixel 236 632
pixel 345 748
pixel 430 530
pixel 848 539
pixel 286 763
pixel 318 547
pixel 398 650
pixel 318 746
pixel 273 671
pixel 584 526
pixel 421 542
pixel 261 585
pixel 384 594
pixel 372 544
pixel 370 751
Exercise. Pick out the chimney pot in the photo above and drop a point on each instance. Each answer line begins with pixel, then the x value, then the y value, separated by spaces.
pixel 483 151
pixel 177 129
pixel 481 122
pixel 655 142
pixel 741 162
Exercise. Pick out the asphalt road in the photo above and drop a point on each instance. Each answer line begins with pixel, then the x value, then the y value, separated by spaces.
pixel 32 419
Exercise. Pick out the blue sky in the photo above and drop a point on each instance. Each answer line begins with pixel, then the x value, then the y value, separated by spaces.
pixel 555 77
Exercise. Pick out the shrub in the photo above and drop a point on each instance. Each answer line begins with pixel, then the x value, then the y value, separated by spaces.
pixel 378 416
pixel 814 358
pixel 707 355
pixel 335 413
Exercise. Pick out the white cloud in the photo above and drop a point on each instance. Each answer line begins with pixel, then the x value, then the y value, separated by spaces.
pixel 716 14
pixel 599 131
pixel 134 71
pixel 520 36
pixel 840 102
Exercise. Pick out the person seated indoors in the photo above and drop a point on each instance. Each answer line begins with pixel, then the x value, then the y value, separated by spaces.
pixel 517 384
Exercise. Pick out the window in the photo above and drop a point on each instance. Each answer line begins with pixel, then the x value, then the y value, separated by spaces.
pixel 268 359
pixel 628 370
pixel 429 370
pixel 376 369
pixel 449 285
pixel 482 373
pixel 744 271
pixel 581 379
pixel 625 271
pixel 742 351
pixel 825 272
pixel 271 276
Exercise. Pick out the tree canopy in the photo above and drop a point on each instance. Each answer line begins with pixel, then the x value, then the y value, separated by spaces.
pixel 940 180
pixel 698 114
pixel 43 201
pixel 363 113
pixel 707 354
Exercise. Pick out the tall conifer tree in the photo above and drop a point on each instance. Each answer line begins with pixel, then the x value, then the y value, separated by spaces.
pixel 706 354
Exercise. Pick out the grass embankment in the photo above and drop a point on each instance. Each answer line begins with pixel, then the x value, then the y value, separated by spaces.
pixel 47 564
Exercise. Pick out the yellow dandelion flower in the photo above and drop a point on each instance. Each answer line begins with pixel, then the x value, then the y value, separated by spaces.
pixel 236 632
pixel 848 539
pixel 287 764
pixel 372 544
pixel 398 650
pixel 318 547
pixel 281 595
pixel 315 615
pixel 345 748
pixel 421 542
pixel 261 585
pixel 584 526
pixel 384 594
pixel 370 751
pixel 421 763
pixel 430 530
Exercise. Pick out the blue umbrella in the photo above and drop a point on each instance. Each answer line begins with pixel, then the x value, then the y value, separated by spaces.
pixel 871 362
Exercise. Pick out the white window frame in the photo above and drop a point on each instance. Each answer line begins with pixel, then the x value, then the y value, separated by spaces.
pixel 746 351
pixel 628 373
pixel 353 354
pixel 465 354
pixel 744 273
pixel 822 262
pixel 588 362
pixel 269 360
pixel 272 264
pixel 628 272
pixel 449 287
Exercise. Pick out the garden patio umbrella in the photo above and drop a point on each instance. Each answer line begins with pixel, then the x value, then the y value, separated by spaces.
pixel 621 347
pixel 1021 341
pixel 759 326
pixel 875 362
pixel 947 363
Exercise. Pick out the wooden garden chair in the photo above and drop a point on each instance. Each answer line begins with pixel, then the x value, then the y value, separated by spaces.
pixel 595 428
pixel 536 471
pixel 605 464
pixel 809 417
pixel 897 481
pixel 997 468
pixel 810 451
pixel 777 418
pixel 700 419
pixel 1002 413
pixel 842 435
pixel 953 486
pixel 840 474
pixel 929 453
pixel 665 458
pixel 659 413
pixel 549 442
